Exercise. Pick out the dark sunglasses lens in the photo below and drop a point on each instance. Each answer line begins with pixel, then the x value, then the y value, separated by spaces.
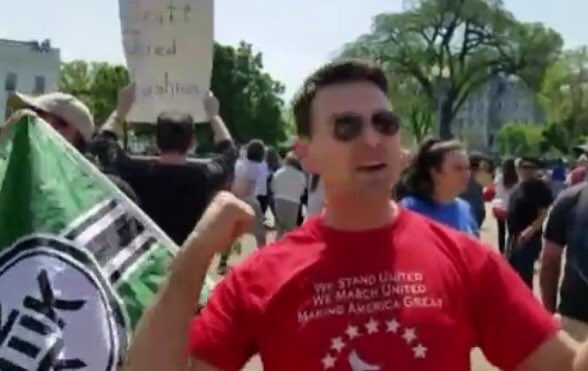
pixel 386 123
pixel 347 127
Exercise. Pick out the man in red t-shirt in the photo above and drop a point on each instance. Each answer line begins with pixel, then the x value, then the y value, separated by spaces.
pixel 365 286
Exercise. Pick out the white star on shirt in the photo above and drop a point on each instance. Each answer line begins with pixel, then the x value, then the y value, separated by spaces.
pixel 396 304
pixel 352 332
pixel 328 361
pixel 409 335
pixel 337 344
pixel 372 326
pixel 393 326
pixel 420 351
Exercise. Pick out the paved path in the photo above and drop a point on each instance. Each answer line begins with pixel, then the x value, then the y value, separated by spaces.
pixel 479 363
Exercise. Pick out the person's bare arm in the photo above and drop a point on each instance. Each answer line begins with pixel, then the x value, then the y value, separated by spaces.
pixel 581 362
pixel 219 128
pixel 161 337
pixel 115 122
pixel 550 273
pixel 557 353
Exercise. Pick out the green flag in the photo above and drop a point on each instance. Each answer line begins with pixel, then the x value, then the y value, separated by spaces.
pixel 78 260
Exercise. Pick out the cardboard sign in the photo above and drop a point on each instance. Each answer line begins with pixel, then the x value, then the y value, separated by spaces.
pixel 168 46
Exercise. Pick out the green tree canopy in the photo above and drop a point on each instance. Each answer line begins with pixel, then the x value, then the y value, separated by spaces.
pixel 453 47
pixel 251 102
pixel 96 84
pixel 564 97
pixel 520 139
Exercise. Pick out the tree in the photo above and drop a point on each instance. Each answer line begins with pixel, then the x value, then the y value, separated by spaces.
pixel 250 98
pixel 520 139
pixel 95 84
pixel 453 47
pixel 564 97
pixel 411 105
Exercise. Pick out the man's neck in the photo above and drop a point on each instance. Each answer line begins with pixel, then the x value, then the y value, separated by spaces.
pixel 358 214
pixel 172 158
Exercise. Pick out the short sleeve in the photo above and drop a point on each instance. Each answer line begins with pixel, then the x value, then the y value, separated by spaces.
pixel 557 224
pixel 222 335
pixel 510 322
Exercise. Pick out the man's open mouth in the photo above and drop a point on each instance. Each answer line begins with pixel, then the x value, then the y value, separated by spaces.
pixel 372 167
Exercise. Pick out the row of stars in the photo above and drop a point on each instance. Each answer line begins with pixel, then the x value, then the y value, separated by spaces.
pixel 373 326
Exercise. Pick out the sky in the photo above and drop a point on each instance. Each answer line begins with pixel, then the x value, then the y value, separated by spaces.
pixel 295 36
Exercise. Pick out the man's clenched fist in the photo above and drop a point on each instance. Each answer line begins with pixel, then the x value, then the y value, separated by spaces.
pixel 226 219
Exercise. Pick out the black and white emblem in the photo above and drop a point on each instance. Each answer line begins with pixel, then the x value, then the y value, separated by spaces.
pixel 57 311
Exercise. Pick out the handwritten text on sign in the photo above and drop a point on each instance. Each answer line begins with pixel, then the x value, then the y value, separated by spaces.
pixel 168 45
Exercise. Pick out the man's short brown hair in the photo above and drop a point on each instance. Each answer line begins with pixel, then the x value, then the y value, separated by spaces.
pixel 174 132
pixel 333 73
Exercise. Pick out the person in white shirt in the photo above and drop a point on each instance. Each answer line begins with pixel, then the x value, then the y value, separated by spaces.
pixel 288 186
pixel 248 172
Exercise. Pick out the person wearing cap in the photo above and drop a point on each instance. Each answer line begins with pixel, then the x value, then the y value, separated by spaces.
pixel 72 119
pixel 527 208
pixel 65 113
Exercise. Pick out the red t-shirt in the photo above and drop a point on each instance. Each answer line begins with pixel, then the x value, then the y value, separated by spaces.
pixel 411 296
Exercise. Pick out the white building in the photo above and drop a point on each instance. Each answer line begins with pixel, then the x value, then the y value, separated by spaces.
pixel 28 67
pixel 503 99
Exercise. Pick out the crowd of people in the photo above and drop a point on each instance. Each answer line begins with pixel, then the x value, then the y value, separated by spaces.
pixel 377 263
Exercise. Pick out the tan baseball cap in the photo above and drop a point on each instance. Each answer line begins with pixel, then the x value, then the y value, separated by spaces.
pixel 66 106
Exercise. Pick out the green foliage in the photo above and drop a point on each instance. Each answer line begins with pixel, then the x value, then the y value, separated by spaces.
pixel 96 84
pixel 250 99
pixel 520 138
pixel 564 97
pixel 453 47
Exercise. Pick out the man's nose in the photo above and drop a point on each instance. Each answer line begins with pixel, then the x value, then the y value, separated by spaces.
pixel 371 136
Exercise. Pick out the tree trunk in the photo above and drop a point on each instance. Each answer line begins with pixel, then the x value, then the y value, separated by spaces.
pixel 445 120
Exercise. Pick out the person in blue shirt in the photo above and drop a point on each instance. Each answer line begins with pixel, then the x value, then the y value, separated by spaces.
pixel 438 174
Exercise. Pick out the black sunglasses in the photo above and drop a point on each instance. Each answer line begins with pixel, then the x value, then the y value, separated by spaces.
pixel 348 126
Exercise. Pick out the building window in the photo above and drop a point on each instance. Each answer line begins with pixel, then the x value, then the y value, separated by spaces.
pixel 10 82
pixel 39 85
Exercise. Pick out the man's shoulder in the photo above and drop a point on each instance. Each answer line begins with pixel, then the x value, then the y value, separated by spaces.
pixel 277 264
pixel 573 191
pixel 568 198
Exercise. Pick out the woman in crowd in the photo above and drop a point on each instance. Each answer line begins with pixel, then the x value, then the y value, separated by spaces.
pixel 288 185
pixel 504 183
pixel 438 174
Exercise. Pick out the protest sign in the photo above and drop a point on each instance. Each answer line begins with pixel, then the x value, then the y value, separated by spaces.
pixel 79 262
pixel 168 46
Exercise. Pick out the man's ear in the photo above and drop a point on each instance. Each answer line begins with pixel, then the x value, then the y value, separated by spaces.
pixel 301 149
